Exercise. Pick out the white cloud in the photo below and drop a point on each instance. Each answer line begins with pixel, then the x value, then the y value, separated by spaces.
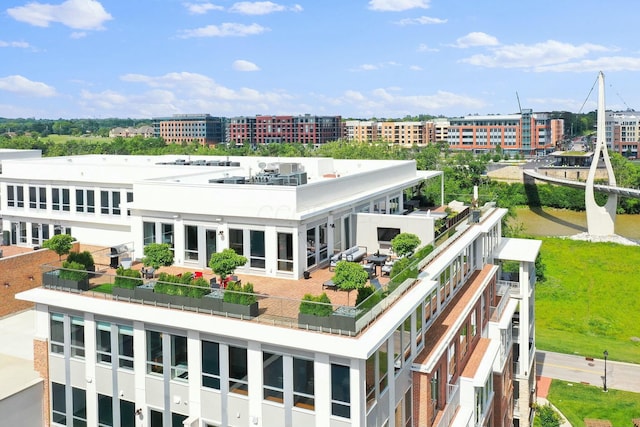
pixel 242 65
pixel 261 8
pixel 422 47
pixel 201 8
pixel 76 14
pixel 227 29
pixel 398 5
pixel 609 63
pixel 415 68
pixel 23 45
pixel 476 39
pixel 78 35
pixel 535 56
pixel 378 66
pixel 23 86
pixel 422 20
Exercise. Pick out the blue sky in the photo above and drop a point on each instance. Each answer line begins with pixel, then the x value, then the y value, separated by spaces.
pixel 354 58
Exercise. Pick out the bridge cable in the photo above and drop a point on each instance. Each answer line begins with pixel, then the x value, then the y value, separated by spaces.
pixel 589 95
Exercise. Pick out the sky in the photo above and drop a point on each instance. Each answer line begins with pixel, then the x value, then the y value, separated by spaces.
pixel 354 58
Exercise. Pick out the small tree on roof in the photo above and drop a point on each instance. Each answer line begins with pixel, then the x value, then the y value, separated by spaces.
pixel 157 255
pixel 60 244
pixel 224 263
pixel 405 243
pixel 349 276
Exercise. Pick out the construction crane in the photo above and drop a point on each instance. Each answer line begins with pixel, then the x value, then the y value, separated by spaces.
pixel 519 107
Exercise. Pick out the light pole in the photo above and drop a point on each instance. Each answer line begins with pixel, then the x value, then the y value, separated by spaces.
pixel 606 353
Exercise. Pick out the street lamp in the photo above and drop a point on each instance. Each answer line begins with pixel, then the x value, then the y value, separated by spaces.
pixel 606 353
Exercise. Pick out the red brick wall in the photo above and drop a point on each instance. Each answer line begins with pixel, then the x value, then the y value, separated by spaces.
pixel 15 276
pixel 41 366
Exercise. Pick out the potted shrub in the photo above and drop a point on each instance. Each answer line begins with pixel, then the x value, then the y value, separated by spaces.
pixel 126 282
pixel 239 299
pixel 315 311
pixel 71 275
pixel 224 263
pixel 60 244
pixel 349 276
pixel 404 244
pixel 85 258
pixel 157 255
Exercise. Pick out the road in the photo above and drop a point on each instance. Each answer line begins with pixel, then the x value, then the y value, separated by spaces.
pixel 578 369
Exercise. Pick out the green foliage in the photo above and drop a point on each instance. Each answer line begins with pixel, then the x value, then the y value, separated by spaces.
pixel 85 258
pixel 183 285
pixel 579 401
pixel 349 275
pixel 588 301
pixel 224 263
pixel 363 294
pixel 423 252
pixel 239 294
pixel 540 269
pixel 548 416
pixel 127 278
pixel 319 305
pixel 404 243
pixel 157 255
pixel 73 271
pixel 60 244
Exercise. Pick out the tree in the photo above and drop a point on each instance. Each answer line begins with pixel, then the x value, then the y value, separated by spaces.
pixel 157 255
pixel 349 276
pixel 60 244
pixel 405 243
pixel 224 263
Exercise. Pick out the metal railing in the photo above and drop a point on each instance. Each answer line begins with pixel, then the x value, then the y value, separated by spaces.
pixel 453 402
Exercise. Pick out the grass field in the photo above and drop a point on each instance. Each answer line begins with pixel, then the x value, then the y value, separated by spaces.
pixel 591 299
pixel 61 139
pixel 578 401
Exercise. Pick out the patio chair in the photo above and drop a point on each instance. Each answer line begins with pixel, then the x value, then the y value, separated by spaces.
pixel 197 274
pixel 213 283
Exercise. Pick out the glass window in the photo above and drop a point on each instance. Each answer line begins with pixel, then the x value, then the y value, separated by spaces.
pixel 154 352
pixel 370 380
pixel 125 347
pixel 66 204
pixel 285 252
pixel 55 199
pixel 257 249
pixel 91 201
pixel 272 377
pixel 155 418
pixel 167 234
pixel 211 365
pixel 105 411
pixel 177 419
pixel 190 243
pixel 127 414
pixel 383 367
pixel 104 202
pixel 35 233
pixel 56 324
pixel 58 404
pixel 148 233
pixel 33 198
pixel 11 202
pixel 77 337
pixel 303 383
pixel 236 240
pixel 79 398
pixel 79 200
pixel 115 199
pixel 103 342
pixel 20 197
pixel 238 374
pixel 340 391
pixel 179 367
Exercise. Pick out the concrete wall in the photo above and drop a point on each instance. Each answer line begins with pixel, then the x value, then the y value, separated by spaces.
pixel 23 408
pixel 367 228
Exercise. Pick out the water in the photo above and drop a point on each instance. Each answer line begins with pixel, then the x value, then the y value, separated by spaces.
pixel 560 222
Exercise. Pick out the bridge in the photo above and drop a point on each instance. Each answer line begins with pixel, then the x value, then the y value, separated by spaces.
pixel 610 189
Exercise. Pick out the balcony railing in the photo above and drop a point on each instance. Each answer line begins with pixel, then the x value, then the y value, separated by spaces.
pixel 496 312
pixel 453 402
pixel 504 286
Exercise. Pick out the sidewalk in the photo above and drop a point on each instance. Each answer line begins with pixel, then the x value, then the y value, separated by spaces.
pixel 542 387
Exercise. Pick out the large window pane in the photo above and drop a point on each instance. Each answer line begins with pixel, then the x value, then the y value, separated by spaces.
pixel 285 251
pixel 211 365
pixel 179 367
pixel 79 397
pixel 236 240
pixel 105 411
pixel 272 377
pixel 238 374
pixel 58 404
pixel 57 333
pixel 127 414
pixel 191 243
pixel 303 384
pixel 257 249
pixel 77 337
pixel 154 352
pixel 148 232
pixel 340 391
pixel 103 342
pixel 125 347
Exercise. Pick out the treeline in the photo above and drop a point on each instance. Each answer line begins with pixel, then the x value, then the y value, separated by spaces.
pixel 74 127
pixel 462 170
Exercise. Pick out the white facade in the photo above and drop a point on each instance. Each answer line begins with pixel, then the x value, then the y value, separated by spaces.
pixel 191 204
pixel 115 358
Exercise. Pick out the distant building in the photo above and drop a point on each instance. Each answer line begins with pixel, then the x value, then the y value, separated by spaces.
pixel 623 132
pixel 130 132
pixel 306 129
pixel 189 128
pixel 403 133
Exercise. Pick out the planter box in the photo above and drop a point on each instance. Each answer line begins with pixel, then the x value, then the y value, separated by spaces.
pixel 241 309
pixel 314 322
pixel 123 292
pixel 52 278
pixel 211 301
pixel 145 292
pixel 343 322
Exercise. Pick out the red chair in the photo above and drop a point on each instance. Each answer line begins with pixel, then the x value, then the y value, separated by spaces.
pixel 197 274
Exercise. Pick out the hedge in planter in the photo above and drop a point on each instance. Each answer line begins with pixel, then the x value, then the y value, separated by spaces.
pixel 126 281
pixel 85 258
pixel 315 311
pixel 72 276
pixel 240 299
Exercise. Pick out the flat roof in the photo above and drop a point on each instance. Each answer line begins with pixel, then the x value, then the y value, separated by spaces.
pixel 16 353
pixel 518 249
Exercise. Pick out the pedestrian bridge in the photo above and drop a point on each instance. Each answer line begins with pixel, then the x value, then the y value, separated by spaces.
pixel 622 191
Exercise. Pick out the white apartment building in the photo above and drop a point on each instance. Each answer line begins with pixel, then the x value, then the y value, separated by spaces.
pixel 286 216
pixel 454 347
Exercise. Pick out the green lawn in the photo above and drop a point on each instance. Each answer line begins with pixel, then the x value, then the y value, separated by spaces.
pixel 106 288
pixel 61 139
pixel 590 301
pixel 579 401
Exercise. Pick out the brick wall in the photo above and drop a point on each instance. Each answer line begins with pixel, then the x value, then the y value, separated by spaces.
pixel 41 366
pixel 22 272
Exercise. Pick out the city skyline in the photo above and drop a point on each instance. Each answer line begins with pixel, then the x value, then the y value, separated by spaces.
pixel 357 59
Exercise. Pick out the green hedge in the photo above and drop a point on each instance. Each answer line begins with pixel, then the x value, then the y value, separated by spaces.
pixel 127 278
pixel 238 294
pixel 184 285
pixel 316 305
pixel 73 271
pixel 85 258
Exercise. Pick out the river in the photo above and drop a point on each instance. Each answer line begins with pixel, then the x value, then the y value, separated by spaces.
pixel 561 222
